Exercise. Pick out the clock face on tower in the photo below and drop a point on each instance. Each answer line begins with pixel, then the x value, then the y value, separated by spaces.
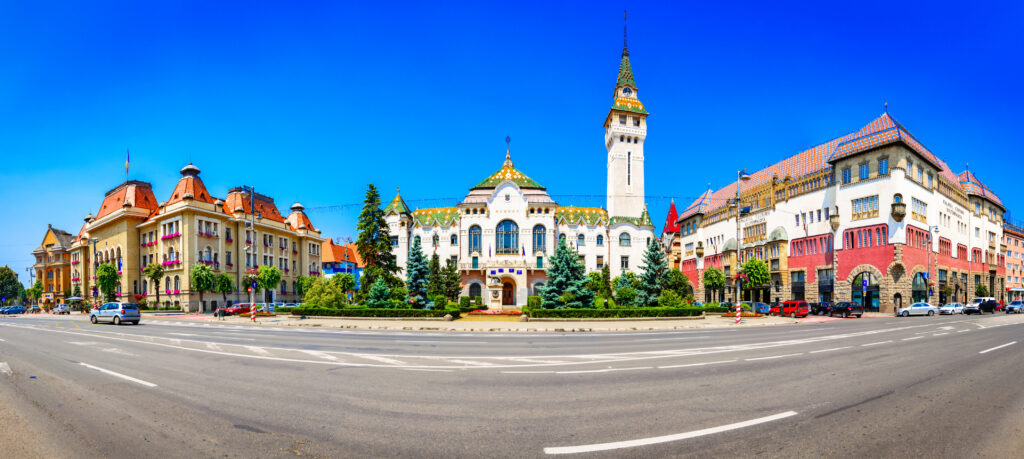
pixel 626 91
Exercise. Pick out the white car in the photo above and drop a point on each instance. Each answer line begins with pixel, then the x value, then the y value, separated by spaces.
pixel 952 308
pixel 917 309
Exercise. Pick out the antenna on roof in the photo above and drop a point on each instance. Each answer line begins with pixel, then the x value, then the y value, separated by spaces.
pixel 887 107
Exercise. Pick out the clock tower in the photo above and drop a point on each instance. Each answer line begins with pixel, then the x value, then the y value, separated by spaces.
pixel 625 130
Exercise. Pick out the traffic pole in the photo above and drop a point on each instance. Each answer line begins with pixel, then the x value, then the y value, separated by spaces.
pixel 252 313
pixel 738 309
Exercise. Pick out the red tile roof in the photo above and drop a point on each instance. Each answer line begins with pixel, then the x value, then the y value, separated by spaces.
pixel 264 205
pixel 135 193
pixel 333 253
pixel 972 185
pixel 299 220
pixel 190 185
pixel 671 223
pixel 351 247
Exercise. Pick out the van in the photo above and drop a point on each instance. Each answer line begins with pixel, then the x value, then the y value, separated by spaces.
pixel 795 308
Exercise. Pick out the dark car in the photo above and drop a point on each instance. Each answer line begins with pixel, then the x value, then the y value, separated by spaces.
pixel 727 304
pixel 990 306
pixel 846 309
pixel 820 309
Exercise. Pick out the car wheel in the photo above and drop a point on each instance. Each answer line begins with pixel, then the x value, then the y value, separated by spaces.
pixel 858 316
pixel 931 313
pixel 846 314
pixel 117 320
pixel 792 315
pixel 92 319
pixel 830 313
pixel 905 314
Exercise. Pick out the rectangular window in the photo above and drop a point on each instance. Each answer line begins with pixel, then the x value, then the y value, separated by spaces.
pixel 600 262
pixel 846 176
pixel 920 175
pixel 394 241
pixel 624 262
pixel 826 213
pixel 622 120
pixel 540 262
pixel 919 210
pixel 636 121
pixel 476 263
pixel 864 171
pixel 883 166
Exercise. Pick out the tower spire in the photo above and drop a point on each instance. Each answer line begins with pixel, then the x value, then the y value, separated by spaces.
pixel 508 151
pixel 625 48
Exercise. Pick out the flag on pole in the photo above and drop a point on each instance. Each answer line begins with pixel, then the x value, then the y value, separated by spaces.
pixel 127 156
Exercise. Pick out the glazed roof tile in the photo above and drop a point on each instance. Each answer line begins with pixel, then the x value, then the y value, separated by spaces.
pixel 397 205
pixel 508 173
pixel 574 215
pixel 644 220
pixel 972 185
pixel 443 216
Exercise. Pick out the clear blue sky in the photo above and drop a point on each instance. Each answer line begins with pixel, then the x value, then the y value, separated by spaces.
pixel 310 103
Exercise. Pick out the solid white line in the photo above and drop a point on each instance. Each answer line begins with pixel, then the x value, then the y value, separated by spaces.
pixel 322 355
pixel 427 369
pixel 528 372
pixel 998 347
pixel 5 369
pixel 183 334
pixel 606 370
pixel 775 357
pixel 119 375
pixel 443 342
pixel 913 338
pixel 664 439
pixel 961 331
pixel 1 340
pixel 695 364
pixel 829 350
pixel 875 344
pixel 940 334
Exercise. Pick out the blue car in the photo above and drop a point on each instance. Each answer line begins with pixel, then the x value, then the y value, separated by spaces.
pixel 14 310
pixel 116 313
pixel 758 307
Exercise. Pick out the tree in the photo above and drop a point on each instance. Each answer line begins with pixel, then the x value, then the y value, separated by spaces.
pixel 566 287
pixel 107 279
pixel 77 292
pixel 202 278
pixel 324 294
pixel 435 281
pixel 302 284
pixel 626 280
pixel 268 278
pixel 652 278
pixel 35 291
pixel 155 273
pixel 9 283
pixel 757 274
pixel 980 290
pixel 676 281
pixel 22 294
pixel 714 279
pixel 67 293
pixel 345 282
pixel 224 284
pixel 416 277
pixel 380 296
pixel 374 243
pixel 452 280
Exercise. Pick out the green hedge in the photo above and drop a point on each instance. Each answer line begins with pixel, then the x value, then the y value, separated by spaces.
pixel 370 312
pixel 533 301
pixel 593 313
pixel 280 309
pixel 463 302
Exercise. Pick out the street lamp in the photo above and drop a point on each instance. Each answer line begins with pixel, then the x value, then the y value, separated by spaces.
pixel 95 262
pixel 929 242
pixel 833 220
pixel 741 176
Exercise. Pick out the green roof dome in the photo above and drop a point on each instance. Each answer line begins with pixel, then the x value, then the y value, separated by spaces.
pixel 508 173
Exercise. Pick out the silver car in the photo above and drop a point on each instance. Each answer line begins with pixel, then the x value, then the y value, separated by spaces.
pixel 952 308
pixel 917 309
pixel 116 313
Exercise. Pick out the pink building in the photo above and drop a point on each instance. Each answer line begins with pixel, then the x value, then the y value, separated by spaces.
pixel 1013 240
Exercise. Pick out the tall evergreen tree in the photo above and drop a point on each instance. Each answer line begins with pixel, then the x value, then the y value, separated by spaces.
pixel 379 296
pixel 452 280
pixel 566 287
pixel 652 279
pixel 374 243
pixel 417 272
pixel 435 279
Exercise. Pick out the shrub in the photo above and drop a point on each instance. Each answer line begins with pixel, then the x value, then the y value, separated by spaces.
pixel 625 296
pixel 440 301
pixel 399 304
pixel 591 313
pixel 533 301
pixel 463 302
pixel 369 312
pixel 478 301
pixel 400 293
pixel 669 299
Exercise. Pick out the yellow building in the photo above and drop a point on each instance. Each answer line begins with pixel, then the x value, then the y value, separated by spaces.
pixel 230 235
pixel 53 266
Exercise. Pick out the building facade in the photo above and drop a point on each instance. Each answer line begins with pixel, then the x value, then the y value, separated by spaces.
pixel 872 217
pixel 1013 240
pixel 53 266
pixel 503 232
pixel 340 259
pixel 240 232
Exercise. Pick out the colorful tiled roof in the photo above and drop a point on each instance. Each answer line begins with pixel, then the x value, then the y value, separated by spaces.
pixel 298 219
pixel 397 206
pixel 354 250
pixel 971 185
pixel 882 131
pixel 190 185
pixel 574 215
pixel 334 253
pixel 644 220
pixel 264 205
pixel 699 206
pixel 443 216
pixel 134 193
pixel 671 223
pixel 508 173
pixel 625 71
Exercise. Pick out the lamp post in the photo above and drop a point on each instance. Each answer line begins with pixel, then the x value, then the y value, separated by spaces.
pixel 741 176
pixel 95 262
pixel 929 242
pixel 833 221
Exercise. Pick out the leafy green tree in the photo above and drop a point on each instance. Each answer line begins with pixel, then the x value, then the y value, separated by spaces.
pixel 35 291
pixel 325 294
pixel 107 279
pixel 452 280
pixel 380 295
pixel 652 277
pixel 435 279
pixel 566 287
pixel 625 296
pixel 594 282
pixel 9 283
pixel 22 294
pixel 627 280
pixel 678 282
pixel 224 284
pixel 713 279
pixel 416 277
pixel 757 272
pixel 980 290
pixel 669 299
pixel 302 284
pixel 268 278
pixel 374 243
pixel 202 279
pixel 155 273
pixel 346 282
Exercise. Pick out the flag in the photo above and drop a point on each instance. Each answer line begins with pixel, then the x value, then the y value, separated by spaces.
pixel 127 156
pixel 488 251
pixel 524 250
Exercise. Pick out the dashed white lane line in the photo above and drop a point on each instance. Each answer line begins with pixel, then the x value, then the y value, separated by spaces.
pixel 381 359
pixel 471 362
pixel 322 355
pixel 119 375
pixel 605 370
pixel 2 340
pixel 5 369
pixel 940 334
pixel 530 372
pixel 876 344
pixel 438 341
pixel 665 438
pixel 428 369
pixel 961 331
pixel 257 350
pixel 213 347
pixel 998 347
pixel 82 343
pixel 695 364
pixel 829 350
pixel 775 356
pixel 912 338
pixel 183 334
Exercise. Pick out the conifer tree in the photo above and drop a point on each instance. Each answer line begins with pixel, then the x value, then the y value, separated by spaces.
pixel 435 279
pixel 452 280
pixel 416 277
pixel 566 287
pixel 379 296
pixel 653 277
pixel 374 243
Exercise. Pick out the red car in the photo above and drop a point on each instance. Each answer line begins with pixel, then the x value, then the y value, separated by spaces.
pixel 794 309
pixel 240 308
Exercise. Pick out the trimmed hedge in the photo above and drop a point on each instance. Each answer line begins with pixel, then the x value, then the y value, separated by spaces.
pixel 593 313
pixel 370 312
pixel 463 302
pixel 533 301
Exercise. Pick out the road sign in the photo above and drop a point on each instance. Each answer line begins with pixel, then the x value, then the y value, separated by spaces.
pixel 864 283
pixel 250 289
pixel 925 275
pixel 253 285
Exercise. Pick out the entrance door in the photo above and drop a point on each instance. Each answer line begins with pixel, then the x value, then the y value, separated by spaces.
pixel 508 294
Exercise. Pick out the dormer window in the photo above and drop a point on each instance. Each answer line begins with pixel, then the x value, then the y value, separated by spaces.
pixel 627 91
pixel 622 120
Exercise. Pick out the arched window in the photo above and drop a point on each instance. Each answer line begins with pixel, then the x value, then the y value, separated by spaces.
pixel 474 238
pixel 177 283
pixel 600 240
pixel 167 283
pixel 624 240
pixel 170 254
pixel 436 241
pixel 474 291
pixel 284 287
pixel 506 238
pixel 580 240
pixel 208 254
pixel 455 239
pixel 540 235
pixel 919 289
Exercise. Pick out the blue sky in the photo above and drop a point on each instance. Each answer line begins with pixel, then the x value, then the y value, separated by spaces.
pixel 311 102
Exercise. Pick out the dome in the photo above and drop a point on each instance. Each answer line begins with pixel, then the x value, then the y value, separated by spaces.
pixel 778 234
pixel 729 245
pixel 190 170
pixel 297 207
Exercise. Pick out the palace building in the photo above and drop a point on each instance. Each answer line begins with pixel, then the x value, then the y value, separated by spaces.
pixel 871 217
pixel 53 266
pixel 242 231
pixel 503 232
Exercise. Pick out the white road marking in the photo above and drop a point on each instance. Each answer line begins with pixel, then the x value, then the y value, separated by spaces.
pixel 665 438
pixel 961 331
pixel 380 359
pixel 427 369
pixel 606 370
pixel 213 346
pixel 829 350
pixel 5 369
pixel 82 343
pixel 322 355
pixel 912 338
pixel 875 344
pixel 183 334
pixel 530 372
pixel 669 339
pixel 444 342
pixel 940 334
pixel 695 364
pixel 2 340
pixel 119 375
pixel 998 347
pixel 471 362
pixel 775 356
pixel 258 350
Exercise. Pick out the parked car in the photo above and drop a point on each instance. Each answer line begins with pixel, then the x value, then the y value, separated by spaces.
pixel 61 309
pixel 116 313
pixel 951 308
pixel 795 308
pixel 1014 307
pixel 990 306
pixel 761 308
pixel 35 310
pixel 820 309
pixel 917 309
pixel 237 308
pixel 726 304
pixel 846 309
pixel 974 306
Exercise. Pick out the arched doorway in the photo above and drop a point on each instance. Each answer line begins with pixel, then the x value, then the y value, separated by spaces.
pixel 508 294
pixel 919 289
pixel 897 300
pixel 864 290
pixel 475 291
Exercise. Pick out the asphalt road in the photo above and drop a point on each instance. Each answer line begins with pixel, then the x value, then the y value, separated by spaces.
pixel 884 387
